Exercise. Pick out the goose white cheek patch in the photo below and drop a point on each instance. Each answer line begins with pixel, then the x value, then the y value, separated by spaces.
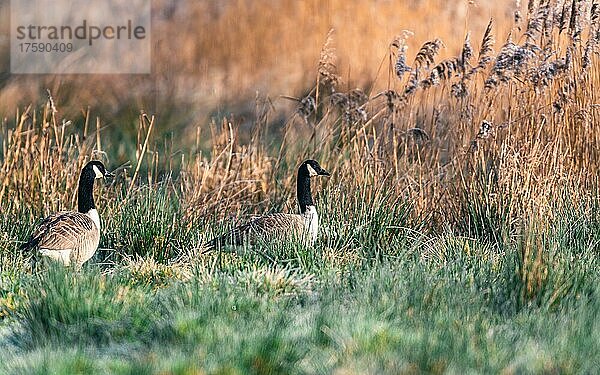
pixel 97 171
pixel 311 170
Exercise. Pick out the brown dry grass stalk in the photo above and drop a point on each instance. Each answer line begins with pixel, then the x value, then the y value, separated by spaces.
pixel 430 147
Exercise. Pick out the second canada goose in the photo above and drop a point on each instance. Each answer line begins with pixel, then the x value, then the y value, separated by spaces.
pixel 303 226
pixel 72 237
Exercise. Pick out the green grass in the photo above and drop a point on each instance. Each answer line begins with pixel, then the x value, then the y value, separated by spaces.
pixel 385 297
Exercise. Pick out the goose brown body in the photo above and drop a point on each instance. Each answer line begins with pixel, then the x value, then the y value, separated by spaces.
pixel 265 229
pixel 69 237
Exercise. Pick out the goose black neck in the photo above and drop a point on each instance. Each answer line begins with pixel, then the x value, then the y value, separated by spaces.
pixel 85 191
pixel 303 190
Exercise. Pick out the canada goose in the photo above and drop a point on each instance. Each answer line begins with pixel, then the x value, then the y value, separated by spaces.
pixel 72 237
pixel 280 226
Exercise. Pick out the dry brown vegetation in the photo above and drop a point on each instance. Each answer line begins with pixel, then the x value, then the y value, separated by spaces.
pixel 504 132
pixel 214 56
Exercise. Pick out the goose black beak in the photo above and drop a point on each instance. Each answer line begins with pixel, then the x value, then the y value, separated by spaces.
pixel 109 174
pixel 323 172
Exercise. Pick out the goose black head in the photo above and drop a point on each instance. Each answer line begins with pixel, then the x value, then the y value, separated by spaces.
pixel 97 169
pixel 312 168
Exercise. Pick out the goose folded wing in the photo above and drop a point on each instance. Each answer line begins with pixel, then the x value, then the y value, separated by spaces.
pixel 65 230
pixel 268 227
